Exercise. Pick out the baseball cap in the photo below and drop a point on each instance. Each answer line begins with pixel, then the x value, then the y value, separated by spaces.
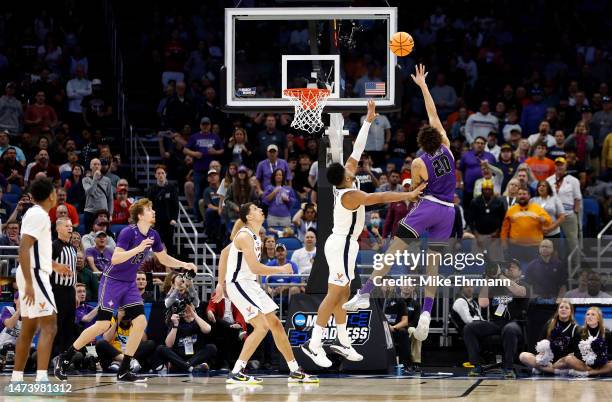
pixel 96 81
pixel 10 84
pixel 204 120
pixel 506 147
pixel 486 183
pixel 517 129
pixel 242 168
pixel 281 246
pixel 100 233
pixel 5 132
pixel 272 147
pixel 515 262
pixel 560 159
pixel 212 171
pixel 406 182
pixel 605 98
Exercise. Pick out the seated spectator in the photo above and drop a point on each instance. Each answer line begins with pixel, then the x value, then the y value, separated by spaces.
pixel 110 348
pixel 39 117
pixel 559 337
pixel 371 238
pixel 465 308
pixel 279 197
pixel 85 313
pixel 396 314
pixel 469 166
pixel 141 284
pixel 6 209
pixel 11 169
pixel 304 257
pixel 410 297
pixel 121 207
pixel 547 274
pixel 277 280
pixel 393 183
pixel 75 240
pixel 540 165
pixel 24 203
pixel 62 200
pixel 185 348
pixel 97 108
pixel 99 257
pixel 305 219
pixel 588 290
pixel 509 305
pixel 11 236
pixel 10 326
pixel 268 251
pixel 182 291
pixel 44 165
pixel 228 328
pixel 100 225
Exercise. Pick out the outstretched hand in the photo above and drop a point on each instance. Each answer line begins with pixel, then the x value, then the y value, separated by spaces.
pixel 371 116
pixel 417 192
pixel 420 76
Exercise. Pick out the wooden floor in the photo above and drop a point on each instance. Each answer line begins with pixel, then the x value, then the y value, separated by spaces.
pixel 348 388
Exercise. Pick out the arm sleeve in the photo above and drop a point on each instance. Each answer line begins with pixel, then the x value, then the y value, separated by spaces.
pixel 171 299
pixel 195 299
pixel 361 140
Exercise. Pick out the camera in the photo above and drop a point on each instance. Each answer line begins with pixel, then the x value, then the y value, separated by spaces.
pixel 179 307
pixel 186 273
pixel 492 269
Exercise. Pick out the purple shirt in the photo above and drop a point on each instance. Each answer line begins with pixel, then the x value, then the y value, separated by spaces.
pixel 201 142
pixel 265 169
pixel 102 260
pixel 278 207
pixel 441 180
pixel 129 238
pixel 81 311
pixel 470 166
pixel 6 314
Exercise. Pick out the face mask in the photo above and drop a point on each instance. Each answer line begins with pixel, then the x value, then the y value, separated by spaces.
pixel 375 222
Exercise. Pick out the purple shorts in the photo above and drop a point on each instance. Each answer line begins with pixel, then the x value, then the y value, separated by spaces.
pixel 428 216
pixel 113 294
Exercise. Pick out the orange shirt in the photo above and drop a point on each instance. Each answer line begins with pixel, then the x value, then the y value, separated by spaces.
pixel 523 226
pixel 72 214
pixel 542 169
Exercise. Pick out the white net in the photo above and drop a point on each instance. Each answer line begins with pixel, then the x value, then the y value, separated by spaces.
pixel 308 103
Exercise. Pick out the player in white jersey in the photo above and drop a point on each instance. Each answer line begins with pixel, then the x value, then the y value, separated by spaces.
pixel 238 269
pixel 35 293
pixel 341 247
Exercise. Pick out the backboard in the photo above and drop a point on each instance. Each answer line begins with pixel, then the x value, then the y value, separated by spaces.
pixel 343 49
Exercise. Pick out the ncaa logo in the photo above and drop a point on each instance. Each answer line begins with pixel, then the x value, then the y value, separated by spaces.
pixel 299 320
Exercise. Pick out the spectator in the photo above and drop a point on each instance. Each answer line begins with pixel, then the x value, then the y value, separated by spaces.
pixel 370 237
pixel 180 110
pixel 542 136
pixel 268 252
pixel 304 257
pixel 110 348
pixel 40 118
pixel 540 165
pixel 458 127
pixel 282 284
pixel 99 257
pixel 238 147
pixel 10 324
pixel 525 178
pixel 266 167
pixel 300 178
pixel 77 89
pixel 75 240
pixel 485 218
pixel 396 314
pixel 175 56
pixel 85 314
pixel 398 146
pixel 75 189
pixel 379 135
pixel 11 111
pixel 268 137
pixel 582 141
pixel 510 304
pixel 240 192
pixel 105 165
pixel 24 203
pixel 8 158
pixel 553 207
pixel 395 212
pixel 588 290
pixel 305 219
pixel 393 184
pixel 492 146
pixel 210 206
pixel 601 119
pixel 98 191
pixel 492 173
pixel 44 165
pixel 184 347
pixel 141 284
pixel 547 274
pixel 465 308
pixel 470 169
pixel 228 328
pixel 558 149
pixel 606 158
pixel 121 208
pixel 567 189
pixel 164 196
pixel 521 154
pixel 61 200
pixel 480 124
pixel 524 226
pixel 72 159
pixel 100 225
pixel 279 197
pixel 534 112
pixel 444 96
pixel 182 292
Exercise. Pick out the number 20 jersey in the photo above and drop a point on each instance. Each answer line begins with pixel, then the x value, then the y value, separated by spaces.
pixel 441 180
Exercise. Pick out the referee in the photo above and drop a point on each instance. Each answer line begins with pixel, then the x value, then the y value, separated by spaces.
pixel 63 286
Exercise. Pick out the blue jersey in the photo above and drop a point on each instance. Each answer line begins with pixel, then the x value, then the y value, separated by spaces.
pixel 128 239
pixel 441 180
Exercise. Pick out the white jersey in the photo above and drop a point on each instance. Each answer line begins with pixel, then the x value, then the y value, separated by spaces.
pixel 347 222
pixel 237 267
pixel 36 223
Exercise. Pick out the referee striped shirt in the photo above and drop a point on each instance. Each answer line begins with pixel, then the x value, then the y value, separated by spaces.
pixel 64 253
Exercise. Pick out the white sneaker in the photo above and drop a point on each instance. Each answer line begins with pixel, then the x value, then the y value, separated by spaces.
pixel 135 366
pixel 348 352
pixel 359 302
pixel 317 356
pixel 422 329
pixel 578 373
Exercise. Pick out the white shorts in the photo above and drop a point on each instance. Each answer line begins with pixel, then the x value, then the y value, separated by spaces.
pixel 341 255
pixel 249 298
pixel 44 302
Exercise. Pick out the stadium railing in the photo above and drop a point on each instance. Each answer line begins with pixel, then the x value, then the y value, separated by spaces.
pixel 602 249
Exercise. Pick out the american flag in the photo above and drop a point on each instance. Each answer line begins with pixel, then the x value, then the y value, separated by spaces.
pixel 374 88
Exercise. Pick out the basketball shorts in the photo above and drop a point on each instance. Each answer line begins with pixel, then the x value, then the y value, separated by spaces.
pixel 44 302
pixel 341 255
pixel 428 216
pixel 250 299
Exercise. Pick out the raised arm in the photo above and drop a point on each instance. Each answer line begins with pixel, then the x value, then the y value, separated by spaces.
pixel 362 137
pixel 353 199
pixel 432 114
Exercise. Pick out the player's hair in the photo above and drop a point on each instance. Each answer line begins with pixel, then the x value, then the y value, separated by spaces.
pixel 245 209
pixel 138 207
pixel 335 174
pixel 41 189
pixel 430 139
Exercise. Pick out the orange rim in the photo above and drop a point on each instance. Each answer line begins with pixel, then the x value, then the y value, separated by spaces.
pixel 308 97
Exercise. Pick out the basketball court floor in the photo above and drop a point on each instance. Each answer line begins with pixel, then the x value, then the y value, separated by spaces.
pixel 353 388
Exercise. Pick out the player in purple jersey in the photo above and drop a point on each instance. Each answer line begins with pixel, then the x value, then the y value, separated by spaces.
pixel 434 213
pixel 118 287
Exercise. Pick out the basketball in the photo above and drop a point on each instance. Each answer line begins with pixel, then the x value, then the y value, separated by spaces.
pixel 401 44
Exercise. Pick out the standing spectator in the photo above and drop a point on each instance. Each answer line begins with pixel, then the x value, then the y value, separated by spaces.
pixel 5 146
pixel 44 165
pixel 12 170
pixel 75 190
pixel 239 192
pixel 606 159
pixel 444 96
pixel 86 277
pixel 270 136
pixel 480 124
pixel 72 211
pixel 541 167
pixel 395 212
pixel 279 197
pixel 238 147
pixel 553 207
pixel 228 328
pixel 523 227
pixel 203 147
pixel 179 110
pixel 485 218
pixel 507 164
pixel 567 188
pixel 121 207
pixel 542 136
pixel 210 206
pixel 546 273
pixel 304 257
pixel 492 146
pixel 77 89
pixel 582 142
pixel 99 257
pixel 305 219
pixel 558 149
pixel 492 173
pixel 601 119
pixel 40 117
pixel 534 112
pixel 266 167
pixel 11 111
pixel 98 191
pixel 175 55
pixel 164 196
pixel 469 166
pixel 458 127
pixel 379 135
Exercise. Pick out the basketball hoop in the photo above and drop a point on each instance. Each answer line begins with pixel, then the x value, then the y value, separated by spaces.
pixel 308 103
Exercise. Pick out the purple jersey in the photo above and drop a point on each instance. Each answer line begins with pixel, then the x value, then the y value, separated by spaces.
pixel 441 180
pixel 129 238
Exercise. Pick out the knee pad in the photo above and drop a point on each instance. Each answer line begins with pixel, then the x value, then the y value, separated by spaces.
pixel 132 312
